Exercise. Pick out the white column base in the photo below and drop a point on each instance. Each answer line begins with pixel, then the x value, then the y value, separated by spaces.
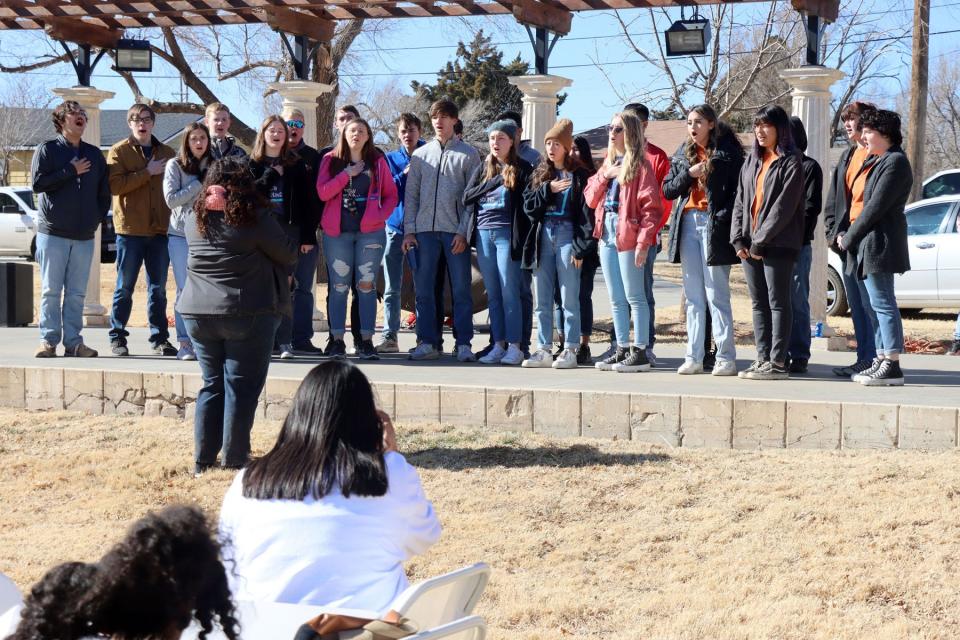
pixel 539 104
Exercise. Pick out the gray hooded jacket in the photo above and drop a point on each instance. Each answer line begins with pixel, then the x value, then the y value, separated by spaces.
pixel 437 177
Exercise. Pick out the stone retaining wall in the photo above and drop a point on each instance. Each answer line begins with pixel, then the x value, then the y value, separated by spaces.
pixel 674 420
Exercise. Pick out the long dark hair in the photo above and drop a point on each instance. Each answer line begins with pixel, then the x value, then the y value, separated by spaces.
pixel 185 158
pixel 585 154
pixel 166 572
pixel 545 171
pixel 332 438
pixel 243 199
pixel 722 135
pixel 340 156
pixel 775 116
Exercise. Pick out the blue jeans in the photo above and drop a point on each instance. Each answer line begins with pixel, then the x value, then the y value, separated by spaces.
pixel 800 299
pixel 555 263
pixel 353 258
pixel 626 285
pixel 501 277
pixel 133 252
pixel 392 282
pixel 864 323
pixel 177 247
pixel 64 269
pixel 704 285
pixel 304 275
pixel 888 333
pixel 430 246
pixel 234 354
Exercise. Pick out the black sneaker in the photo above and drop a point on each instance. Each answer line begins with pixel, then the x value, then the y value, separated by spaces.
pixel 854 369
pixel 866 373
pixel 119 348
pixel 619 355
pixel 888 374
pixel 163 349
pixel 753 368
pixel 558 350
pixel 366 350
pixel 307 348
pixel 954 349
pixel 709 359
pixel 636 361
pixel 797 366
pixel 769 371
pixel 584 356
pixel 336 349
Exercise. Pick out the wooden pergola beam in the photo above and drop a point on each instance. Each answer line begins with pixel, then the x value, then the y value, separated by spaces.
pixel 540 14
pixel 73 30
pixel 298 23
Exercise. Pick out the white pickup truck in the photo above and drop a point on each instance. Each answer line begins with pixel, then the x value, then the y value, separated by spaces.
pixel 18 222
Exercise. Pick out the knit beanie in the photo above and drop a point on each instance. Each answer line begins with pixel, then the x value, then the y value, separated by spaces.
pixel 509 127
pixel 562 132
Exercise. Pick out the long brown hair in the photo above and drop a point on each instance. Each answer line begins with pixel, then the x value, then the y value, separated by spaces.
pixel 545 171
pixel 185 158
pixel 259 153
pixel 509 169
pixel 243 199
pixel 721 133
pixel 340 156
pixel 635 147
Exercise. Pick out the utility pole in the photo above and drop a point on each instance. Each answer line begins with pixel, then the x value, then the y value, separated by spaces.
pixel 919 71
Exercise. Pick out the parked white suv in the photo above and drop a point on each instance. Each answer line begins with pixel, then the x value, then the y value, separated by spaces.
pixel 933 237
pixel 18 222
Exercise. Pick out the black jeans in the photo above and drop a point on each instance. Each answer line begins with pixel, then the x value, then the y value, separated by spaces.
pixel 770 282
pixel 587 275
pixel 234 354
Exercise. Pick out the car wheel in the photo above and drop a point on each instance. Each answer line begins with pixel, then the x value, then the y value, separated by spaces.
pixel 33 249
pixel 836 294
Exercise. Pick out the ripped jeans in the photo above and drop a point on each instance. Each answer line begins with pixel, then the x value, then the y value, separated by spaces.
pixel 353 257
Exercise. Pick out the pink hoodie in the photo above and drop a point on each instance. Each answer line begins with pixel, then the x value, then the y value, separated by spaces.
pixel 378 208
pixel 641 208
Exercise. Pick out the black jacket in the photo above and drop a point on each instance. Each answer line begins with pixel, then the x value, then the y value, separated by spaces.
pixel 780 221
pixel 836 211
pixel 721 192
pixel 237 270
pixel 300 201
pixel 477 187
pixel 536 200
pixel 813 200
pixel 877 239
pixel 70 206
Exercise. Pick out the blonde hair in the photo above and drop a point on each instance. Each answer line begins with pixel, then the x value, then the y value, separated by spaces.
pixel 214 107
pixel 635 147
pixel 290 112
pixel 509 170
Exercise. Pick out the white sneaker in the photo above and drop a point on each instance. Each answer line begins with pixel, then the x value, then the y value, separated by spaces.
pixel 495 355
pixel 566 360
pixel 464 354
pixel 286 352
pixel 424 351
pixel 725 368
pixel 539 359
pixel 689 368
pixel 513 356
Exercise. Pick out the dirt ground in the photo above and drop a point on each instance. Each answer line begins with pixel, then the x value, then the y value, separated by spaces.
pixel 586 539
pixel 931 330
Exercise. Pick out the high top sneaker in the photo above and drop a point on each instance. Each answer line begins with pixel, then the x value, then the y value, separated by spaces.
pixel 619 355
pixel 636 361
pixel 888 374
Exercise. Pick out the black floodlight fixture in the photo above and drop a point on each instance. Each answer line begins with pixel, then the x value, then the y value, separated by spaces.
pixel 688 37
pixel 134 55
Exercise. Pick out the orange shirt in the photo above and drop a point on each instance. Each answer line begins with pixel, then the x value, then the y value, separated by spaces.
pixel 856 184
pixel 768 159
pixel 698 196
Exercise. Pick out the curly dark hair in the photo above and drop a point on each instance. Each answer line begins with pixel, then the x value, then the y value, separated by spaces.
pixel 166 572
pixel 886 123
pixel 51 610
pixel 64 109
pixel 243 198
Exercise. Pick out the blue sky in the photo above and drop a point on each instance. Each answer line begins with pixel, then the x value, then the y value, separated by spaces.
pixel 411 55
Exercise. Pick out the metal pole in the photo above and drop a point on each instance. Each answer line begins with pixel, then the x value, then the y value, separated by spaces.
pixel 813 40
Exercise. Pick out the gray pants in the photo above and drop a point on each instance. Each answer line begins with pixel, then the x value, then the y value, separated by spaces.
pixel 770 282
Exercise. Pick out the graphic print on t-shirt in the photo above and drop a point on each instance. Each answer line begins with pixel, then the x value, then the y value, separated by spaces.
pixel 493 211
pixel 560 202
pixel 354 201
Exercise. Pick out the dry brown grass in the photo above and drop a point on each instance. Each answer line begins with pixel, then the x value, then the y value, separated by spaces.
pixel 586 539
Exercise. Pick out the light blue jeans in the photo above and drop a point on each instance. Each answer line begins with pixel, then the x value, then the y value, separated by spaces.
pixel 177 247
pixel 501 277
pixel 556 263
pixel 888 327
pixel 704 285
pixel 64 269
pixel 626 284
pixel 392 282
pixel 353 258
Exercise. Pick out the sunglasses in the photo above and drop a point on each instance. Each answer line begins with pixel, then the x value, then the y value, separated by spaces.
pixel 296 124
pixel 614 130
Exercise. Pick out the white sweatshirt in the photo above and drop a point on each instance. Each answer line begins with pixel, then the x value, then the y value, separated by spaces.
pixel 333 552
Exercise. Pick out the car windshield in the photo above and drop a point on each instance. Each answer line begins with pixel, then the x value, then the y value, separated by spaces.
pixel 945 185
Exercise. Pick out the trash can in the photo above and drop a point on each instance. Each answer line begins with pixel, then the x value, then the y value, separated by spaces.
pixel 16 294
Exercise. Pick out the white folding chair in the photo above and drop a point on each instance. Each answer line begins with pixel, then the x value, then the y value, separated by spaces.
pixel 472 628
pixel 10 604
pixel 443 599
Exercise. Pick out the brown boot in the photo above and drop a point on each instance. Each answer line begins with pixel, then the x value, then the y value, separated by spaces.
pixel 45 350
pixel 80 351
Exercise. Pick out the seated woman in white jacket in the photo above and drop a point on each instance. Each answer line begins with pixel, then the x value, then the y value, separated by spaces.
pixel 330 514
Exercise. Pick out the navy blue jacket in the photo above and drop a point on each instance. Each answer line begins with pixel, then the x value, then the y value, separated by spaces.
pixel 70 206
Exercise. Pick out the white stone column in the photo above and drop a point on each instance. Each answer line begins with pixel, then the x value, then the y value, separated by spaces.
pixel 811 103
pixel 539 104
pixel 94 313
pixel 302 95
